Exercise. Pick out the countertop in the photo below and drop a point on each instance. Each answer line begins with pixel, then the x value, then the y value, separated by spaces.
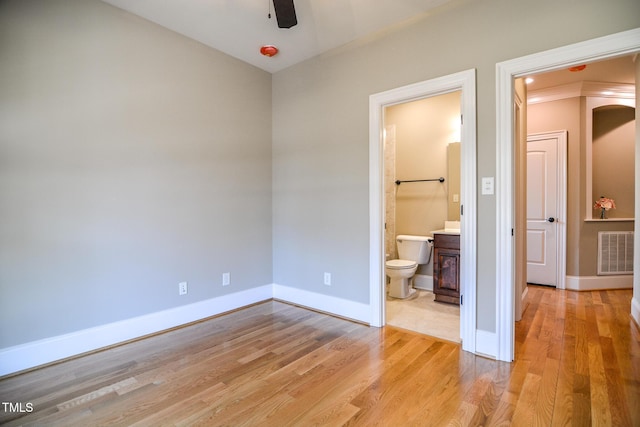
pixel 447 231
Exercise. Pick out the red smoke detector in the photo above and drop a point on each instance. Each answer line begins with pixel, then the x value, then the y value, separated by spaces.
pixel 269 50
pixel 577 68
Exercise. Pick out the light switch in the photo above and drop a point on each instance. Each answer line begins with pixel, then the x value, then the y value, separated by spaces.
pixel 487 185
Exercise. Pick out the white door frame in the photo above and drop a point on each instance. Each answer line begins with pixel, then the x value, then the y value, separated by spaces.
pixel 464 81
pixel 619 44
pixel 561 201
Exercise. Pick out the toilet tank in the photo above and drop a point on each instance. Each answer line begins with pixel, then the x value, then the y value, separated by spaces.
pixel 414 248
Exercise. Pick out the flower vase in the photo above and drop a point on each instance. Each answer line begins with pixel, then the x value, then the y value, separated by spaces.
pixel 602 212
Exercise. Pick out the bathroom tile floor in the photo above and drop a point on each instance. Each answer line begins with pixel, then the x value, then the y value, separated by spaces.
pixel 420 313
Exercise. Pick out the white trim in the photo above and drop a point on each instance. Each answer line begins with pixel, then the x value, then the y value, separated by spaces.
pixel 518 116
pixel 577 89
pixel 561 200
pixel 376 211
pixel 524 296
pixel 486 344
pixel 610 220
pixel 329 304
pixel 595 283
pixel 635 310
pixel 624 43
pixel 466 82
pixel 35 353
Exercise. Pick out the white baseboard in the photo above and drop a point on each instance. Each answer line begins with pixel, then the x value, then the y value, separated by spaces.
pixel 635 309
pixel 595 283
pixel 35 353
pixel 423 281
pixel 487 344
pixel 523 304
pixel 340 307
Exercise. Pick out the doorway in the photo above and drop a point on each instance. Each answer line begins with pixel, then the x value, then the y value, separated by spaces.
pixel 422 195
pixel 607 47
pixel 591 102
pixel 465 83
pixel 545 211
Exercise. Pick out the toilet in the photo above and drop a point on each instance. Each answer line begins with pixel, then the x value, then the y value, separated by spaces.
pixel 413 251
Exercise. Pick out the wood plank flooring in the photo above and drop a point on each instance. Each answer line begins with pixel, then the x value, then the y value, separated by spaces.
pixel 274 364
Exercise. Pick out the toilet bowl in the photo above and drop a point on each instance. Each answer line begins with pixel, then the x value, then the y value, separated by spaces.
pixel 413 251
pixel 401 272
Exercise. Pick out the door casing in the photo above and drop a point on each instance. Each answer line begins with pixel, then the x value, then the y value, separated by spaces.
pixel 615 45
pixel 465 82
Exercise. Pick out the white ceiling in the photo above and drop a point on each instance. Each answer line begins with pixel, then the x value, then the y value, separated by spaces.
pixel 240 27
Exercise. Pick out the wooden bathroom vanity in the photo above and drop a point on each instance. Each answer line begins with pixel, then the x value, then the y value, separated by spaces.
pixel 446 267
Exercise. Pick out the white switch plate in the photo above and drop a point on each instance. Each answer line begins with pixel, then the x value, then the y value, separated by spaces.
pixel 487 185
pixel 226 279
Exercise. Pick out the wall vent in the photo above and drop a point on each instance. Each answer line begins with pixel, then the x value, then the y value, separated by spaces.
pixel 615 252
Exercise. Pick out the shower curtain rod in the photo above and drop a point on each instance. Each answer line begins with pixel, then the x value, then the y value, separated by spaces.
pixel 441 179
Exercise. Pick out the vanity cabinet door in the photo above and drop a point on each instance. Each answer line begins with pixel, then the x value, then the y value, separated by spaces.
pixel 446 269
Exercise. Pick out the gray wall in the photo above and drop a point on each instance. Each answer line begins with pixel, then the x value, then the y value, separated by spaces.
pixel 131 158
pixel 320 113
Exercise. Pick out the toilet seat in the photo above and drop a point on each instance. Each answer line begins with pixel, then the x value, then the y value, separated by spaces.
pixel 401 264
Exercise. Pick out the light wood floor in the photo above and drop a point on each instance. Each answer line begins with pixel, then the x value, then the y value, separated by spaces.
pixel 273 364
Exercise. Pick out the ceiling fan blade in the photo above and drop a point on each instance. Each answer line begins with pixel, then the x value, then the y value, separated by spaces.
pixel 285 13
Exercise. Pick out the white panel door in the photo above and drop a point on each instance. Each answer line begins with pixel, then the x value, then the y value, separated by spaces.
pixel 542 218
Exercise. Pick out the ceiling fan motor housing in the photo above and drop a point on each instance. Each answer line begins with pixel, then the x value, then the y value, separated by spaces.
pixel 285 13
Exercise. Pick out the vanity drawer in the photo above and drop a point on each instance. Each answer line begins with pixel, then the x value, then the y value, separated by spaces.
pixel 449 241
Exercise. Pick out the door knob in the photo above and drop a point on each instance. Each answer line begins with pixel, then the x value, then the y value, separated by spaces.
pixel 551 219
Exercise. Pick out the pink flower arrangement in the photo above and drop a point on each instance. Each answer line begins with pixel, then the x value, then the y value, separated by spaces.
pixel 604 203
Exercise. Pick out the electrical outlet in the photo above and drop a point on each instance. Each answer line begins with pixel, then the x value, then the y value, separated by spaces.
pixel 182 288
pixel 226 279
pixel 327 279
